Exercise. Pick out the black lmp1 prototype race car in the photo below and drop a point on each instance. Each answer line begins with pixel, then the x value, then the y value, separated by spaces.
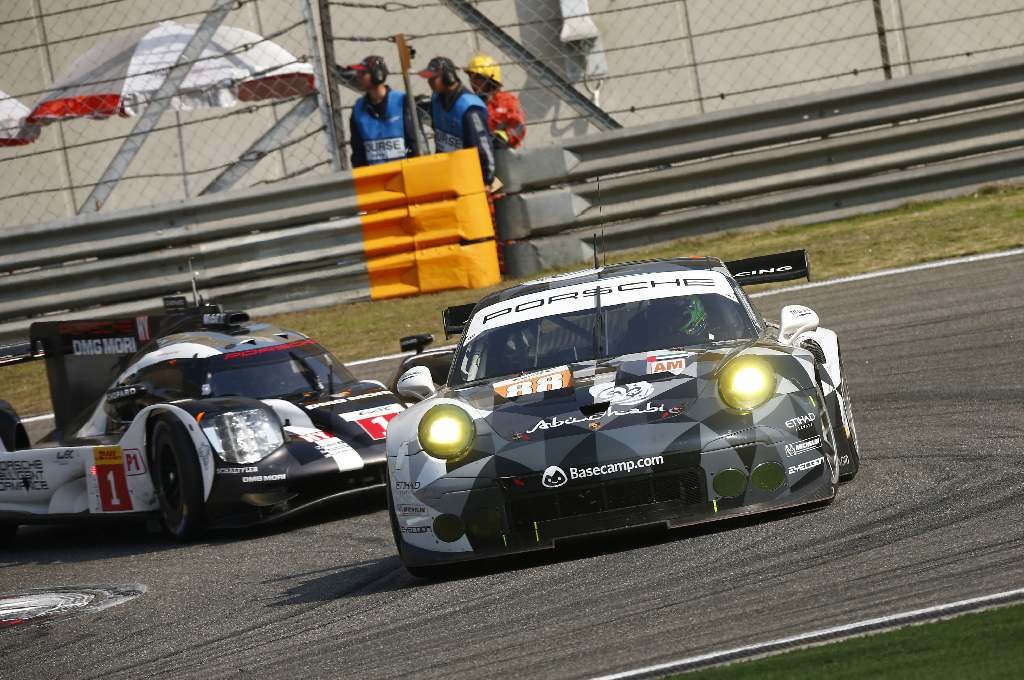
pixel 646 393
pixel 199 416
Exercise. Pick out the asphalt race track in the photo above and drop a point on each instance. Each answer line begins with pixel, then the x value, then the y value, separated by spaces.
pixel 934 360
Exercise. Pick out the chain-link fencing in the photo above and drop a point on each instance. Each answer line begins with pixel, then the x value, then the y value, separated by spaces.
pixel 103 130
pixel 641 61
pixel 578 66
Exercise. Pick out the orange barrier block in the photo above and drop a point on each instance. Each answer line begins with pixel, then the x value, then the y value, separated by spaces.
pixel 426 225
pixel 447 267
pixel 417 180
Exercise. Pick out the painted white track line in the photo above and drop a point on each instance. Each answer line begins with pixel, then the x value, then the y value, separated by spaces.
pixel 824 635
pixel 803 286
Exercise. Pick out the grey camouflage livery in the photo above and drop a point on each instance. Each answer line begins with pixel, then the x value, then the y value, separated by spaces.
pixel 621 446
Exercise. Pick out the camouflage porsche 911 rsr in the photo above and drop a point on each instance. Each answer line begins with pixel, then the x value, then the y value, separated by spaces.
pixel 617 397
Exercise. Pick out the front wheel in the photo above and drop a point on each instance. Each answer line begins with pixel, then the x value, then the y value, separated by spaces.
pixel 846 430
pixel 177 479
pixel 8 532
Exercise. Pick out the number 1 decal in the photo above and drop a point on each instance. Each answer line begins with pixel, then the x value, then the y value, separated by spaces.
pixel 113 485
pixel 376 427
pixel 374 420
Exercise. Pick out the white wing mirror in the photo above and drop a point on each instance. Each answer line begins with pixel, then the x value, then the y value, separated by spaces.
pixel 416 384
pixel 795 320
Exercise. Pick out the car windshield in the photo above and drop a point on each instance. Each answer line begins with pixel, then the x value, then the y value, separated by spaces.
pixel 583 333
pixel 284 373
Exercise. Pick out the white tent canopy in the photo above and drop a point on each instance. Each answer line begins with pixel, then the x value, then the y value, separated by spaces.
pixel 120 75
pixel 14 130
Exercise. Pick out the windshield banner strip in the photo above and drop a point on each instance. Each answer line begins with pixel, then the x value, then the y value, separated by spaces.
pixel 613 291
pixel 273 348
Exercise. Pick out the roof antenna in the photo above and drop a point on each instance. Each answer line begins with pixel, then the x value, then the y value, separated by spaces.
pixel 195 290
pixel 597 248
pixel 604 251
pixel 600 211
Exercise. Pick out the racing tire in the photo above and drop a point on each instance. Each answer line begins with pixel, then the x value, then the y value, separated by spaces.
pixel 8 532
pixel 829 430
pixel 12 432
pixel 846 435
pixel 177 479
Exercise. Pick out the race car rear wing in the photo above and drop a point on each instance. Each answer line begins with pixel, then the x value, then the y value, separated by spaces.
pixel 769 268
pixel 83 357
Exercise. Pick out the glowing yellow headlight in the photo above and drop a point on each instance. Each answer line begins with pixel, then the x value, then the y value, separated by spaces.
pixel 746 383
pixel 446 432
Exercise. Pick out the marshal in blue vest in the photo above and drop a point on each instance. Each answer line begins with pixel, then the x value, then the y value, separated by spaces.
pixel 383 138
pixel 448 132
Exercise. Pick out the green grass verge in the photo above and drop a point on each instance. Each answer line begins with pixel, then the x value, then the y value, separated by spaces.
pixel 991 219
pixel 970 647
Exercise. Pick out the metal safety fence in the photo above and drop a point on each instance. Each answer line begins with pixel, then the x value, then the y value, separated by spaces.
pixel 808 158
pixel 115 104
pixel 403 228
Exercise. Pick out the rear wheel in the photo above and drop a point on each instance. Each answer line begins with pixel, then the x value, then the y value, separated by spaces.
pixel 177 479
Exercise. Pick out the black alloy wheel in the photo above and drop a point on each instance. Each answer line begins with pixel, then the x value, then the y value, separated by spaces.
pixel 177 478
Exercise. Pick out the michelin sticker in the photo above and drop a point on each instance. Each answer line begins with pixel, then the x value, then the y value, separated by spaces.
pixel 803 446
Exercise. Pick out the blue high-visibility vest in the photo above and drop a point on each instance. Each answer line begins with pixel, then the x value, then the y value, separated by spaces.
pixel 448 132
pixel 384 137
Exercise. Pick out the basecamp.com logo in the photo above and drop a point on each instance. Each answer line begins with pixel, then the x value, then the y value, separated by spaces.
pixel 554 477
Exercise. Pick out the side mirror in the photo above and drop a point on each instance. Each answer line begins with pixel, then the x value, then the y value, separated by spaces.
pixel 794 320
pixel 416 384
pixel 415 342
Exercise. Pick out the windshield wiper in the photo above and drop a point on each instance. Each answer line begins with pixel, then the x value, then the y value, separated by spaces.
pixel 309 374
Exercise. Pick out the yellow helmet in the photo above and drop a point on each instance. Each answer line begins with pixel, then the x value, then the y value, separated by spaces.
pixel 484 65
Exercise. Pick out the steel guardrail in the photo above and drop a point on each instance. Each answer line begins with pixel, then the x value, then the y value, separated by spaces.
pixel 864 146
pixel 384 231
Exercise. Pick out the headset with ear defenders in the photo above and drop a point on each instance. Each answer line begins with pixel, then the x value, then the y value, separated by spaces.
pixel 448 74
pixel 378 72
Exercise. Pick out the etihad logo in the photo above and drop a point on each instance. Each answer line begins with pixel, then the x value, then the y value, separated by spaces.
pixel 554 477
pixel 800 421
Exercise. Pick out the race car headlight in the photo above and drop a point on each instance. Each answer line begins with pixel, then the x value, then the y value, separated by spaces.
pixel 746 383
pixel 446 432
pixel 244 436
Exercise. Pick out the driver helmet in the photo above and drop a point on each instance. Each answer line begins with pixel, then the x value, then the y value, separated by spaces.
pixel 693 319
